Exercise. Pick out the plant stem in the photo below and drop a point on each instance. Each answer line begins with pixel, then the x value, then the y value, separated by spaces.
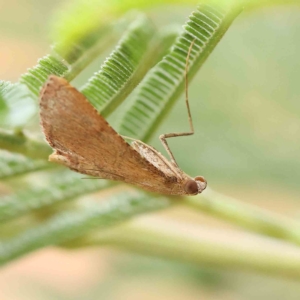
pixel 17 141
pixel 246 216
pixel 202 246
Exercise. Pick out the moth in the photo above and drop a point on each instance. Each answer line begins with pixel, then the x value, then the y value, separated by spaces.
pixel 83 141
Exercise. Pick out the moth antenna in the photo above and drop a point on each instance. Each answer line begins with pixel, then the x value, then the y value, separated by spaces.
pixel 186 86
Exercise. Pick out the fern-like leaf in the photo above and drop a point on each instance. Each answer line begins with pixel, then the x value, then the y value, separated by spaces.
pixel 74 223
pixel 67 186
pixel 165 82
pixel 35 77
pixel 120 72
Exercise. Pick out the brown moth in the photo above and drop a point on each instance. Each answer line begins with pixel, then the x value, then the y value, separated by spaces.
pixel 86 143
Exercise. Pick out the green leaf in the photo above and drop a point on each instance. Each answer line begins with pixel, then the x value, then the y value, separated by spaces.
pixel 139 49
pixel 35 77
pixel 69 63
pixel 122 70
pixel 15 164
pixel 16 105
pixel 162 85
pixel 67 225
pixel 67 186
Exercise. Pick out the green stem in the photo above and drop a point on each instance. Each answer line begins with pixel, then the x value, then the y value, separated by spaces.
pixel 202 246
pixel 17 141
pixel 246 216
pixel 193 245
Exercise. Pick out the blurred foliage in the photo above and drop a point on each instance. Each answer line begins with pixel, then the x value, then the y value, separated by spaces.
pixel 246 117
pixel 140 47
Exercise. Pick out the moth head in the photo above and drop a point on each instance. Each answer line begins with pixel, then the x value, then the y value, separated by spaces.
pixel 195 186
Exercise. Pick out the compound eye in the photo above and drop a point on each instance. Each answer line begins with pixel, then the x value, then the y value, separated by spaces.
pixel 200 178
pixel 202 183
pixel 191 187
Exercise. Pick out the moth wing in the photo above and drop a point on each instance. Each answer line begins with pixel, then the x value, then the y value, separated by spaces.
pixel 154 157
pixel 86 143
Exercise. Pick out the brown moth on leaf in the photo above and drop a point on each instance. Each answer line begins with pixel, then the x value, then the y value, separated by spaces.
pixel 86 143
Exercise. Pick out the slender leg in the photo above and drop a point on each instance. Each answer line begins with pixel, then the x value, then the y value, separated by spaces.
pixel 163 137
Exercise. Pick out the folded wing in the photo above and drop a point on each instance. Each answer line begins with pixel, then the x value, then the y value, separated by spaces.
pixel 86 143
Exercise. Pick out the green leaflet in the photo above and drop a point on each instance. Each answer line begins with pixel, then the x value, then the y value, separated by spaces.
pixel 35 77
pixel 13 97
pixel 67 186
pixel 122 70
pixel 12 164
pixel 74 223
pixel 162 85
pixel 140 47
pixel 67 64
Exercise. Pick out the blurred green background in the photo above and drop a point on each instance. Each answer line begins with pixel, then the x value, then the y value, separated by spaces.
pixel 245 106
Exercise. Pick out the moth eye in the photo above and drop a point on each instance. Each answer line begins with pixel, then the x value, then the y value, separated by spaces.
pixel 200 178
pixel 202 183
pixel 191 187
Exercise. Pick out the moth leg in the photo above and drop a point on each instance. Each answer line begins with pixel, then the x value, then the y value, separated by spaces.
pixel 163 137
